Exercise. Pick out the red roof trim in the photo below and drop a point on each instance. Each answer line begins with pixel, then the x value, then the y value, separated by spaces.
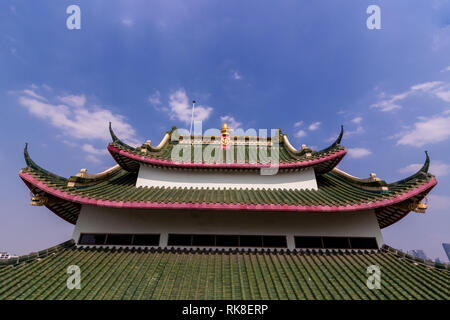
pixel 297 164
pixel 225 206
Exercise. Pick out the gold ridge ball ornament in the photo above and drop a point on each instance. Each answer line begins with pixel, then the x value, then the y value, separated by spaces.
pixel 225 136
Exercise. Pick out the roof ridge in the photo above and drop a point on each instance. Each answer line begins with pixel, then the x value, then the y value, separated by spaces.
pixel 40 254
pixel 425 262
pixel 71 244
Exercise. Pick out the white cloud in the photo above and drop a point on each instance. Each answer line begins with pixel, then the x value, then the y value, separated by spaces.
pixel 441 38
pixel 181 108
pixel 127 22
pixel 236 75
pixel 435 88
pixel 358 152
pixel 443 92
pixel 155 98
pixel 33 94
pixel 357 120
pixel 94 153
pixel 426 86
pixel 298 124
pixel 300 133
pixel 438 202
pixel 89 148
pixel 314 126
pixel 73 100
pixel 80 122
pixel 446 69
pixel 93 159
pixel 46 87
pixel 437 168
pixel 359 129
pixel 427 130
pixel 233 124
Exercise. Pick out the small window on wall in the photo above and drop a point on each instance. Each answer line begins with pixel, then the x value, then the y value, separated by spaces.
pixel 308 242
pixel 92 239
pixel 179 240
pixel 227 241
pixel 364 243
pixel 211 240
pixel 274 242
pixel 205 240
pixel 335 242
pixel 250 241
pixel 146 240
pixel 119 239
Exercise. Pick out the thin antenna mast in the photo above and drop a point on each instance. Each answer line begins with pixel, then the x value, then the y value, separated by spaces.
pixel 192 117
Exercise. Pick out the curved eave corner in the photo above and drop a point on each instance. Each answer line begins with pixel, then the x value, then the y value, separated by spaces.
pixel 392 214
pixel 66 210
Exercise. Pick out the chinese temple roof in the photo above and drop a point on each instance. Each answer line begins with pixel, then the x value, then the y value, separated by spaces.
pixel 129 158
pixel 337 192
pixel 136 273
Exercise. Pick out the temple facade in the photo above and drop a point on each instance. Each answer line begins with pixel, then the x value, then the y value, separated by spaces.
pixel 225 199
pixel 194 199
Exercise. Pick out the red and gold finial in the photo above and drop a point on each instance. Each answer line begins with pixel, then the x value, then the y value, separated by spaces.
pixel 225 130
pixel 225 135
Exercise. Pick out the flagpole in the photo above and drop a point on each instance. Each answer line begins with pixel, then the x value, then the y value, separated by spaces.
pixel 192 117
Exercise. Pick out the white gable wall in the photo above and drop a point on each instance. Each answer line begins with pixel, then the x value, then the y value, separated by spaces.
pixel 155 177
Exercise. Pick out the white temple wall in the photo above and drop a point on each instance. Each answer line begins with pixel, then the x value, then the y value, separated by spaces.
pixel 94 219
pixel 155 177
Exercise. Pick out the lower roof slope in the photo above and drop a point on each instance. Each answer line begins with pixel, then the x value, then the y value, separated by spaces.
pixel 213 274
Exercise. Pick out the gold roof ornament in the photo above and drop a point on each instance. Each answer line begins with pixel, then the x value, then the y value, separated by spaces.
pixel 421 207
pixel 225 130
pixel 38 200
pixel 417 206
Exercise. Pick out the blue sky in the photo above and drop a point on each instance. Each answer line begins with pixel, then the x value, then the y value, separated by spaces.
pixel 305 67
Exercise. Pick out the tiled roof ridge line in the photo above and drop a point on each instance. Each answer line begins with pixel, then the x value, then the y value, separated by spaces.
pixel 40 254
pixel 222 206
pixel 226 250
pixel 296 152
pixel 70 244
pixel 425 262
pixel 163 142
pixel 301 163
